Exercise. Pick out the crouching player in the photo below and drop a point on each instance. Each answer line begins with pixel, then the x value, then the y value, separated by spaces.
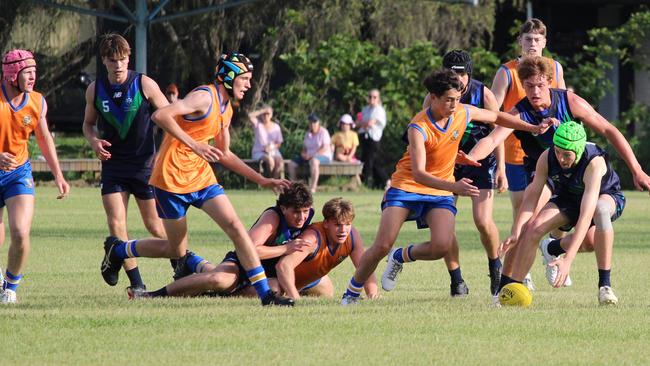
pixel 328 243
pixel 586 195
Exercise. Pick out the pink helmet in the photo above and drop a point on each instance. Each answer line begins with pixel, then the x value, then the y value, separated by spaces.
pixel 14 62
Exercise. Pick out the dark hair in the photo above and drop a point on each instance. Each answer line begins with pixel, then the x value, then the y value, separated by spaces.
pixel 339 209
pixel 535 65
pixel 458 61
pixel 438 82
pixel 296 196
pixel 533 25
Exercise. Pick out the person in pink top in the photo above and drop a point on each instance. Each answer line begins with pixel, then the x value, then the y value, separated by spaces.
pixel 268 138
pixel 316 150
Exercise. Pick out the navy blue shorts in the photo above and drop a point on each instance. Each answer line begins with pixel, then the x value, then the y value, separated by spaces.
pixel 482 176
pixel 137 184
pixel 418 204
pixel 517 177
pixel 16 182
pixel 570 207
pixel 174 205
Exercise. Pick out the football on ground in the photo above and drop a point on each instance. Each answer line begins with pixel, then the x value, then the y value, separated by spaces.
pixel 515 294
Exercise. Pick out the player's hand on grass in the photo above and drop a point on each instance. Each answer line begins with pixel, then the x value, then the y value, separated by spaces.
pixel 7 161
pixel 463 159
pixel 464 187
pixel 99 147
pixel 507 244
pixel 207 152
pixel 63 186
pixel 563 268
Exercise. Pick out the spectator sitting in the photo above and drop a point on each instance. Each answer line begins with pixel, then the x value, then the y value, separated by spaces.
pixel 268 138
pixel 316 150
pixel 345 141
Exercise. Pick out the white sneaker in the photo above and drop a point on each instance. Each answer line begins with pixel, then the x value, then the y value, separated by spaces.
pixel 2 277
pixel 528 282
pixel 606 296
pixel 551 271
pixel 8 297
pixel 349 300
pixel 495 301
pixel 393 268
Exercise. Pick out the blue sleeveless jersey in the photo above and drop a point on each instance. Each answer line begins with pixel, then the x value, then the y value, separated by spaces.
pixel 569 183
pixel 534 146
pixel 283 233
pixel 474 95
pixel 125 122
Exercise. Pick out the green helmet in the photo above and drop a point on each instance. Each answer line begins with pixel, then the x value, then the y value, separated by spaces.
pixel 571 136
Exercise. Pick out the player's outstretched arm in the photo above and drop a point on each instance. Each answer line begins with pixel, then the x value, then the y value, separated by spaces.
pixel 232 162
pixel 592 119
pixel 370 286
pixel 197 102
pixel 285 268
pixel 592 179
pixel 46 144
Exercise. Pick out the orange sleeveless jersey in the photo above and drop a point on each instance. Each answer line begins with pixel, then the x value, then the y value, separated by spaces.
pixel 323 259
pixel 18 122
pixel 513 151
pixel 441 148
pixel 178 169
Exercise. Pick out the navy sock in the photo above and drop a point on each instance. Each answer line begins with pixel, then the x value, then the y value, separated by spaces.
pixel 554 248
pixel 159 293
pixel 456 276
pixel 494 264
pixel 504 281
pixel 126 249
pixel 603 277
pixel 134 277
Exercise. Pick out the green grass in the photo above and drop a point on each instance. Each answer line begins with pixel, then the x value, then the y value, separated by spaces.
pixel 68 316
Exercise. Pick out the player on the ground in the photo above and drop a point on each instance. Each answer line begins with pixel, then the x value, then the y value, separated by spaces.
pixel 272 234
pixel 22 111
pixel 182 175
pixel 328 243
pixel 423 184
pixel 508 91
pixel 586 195
pixel 490 175
pixel 123 140
pixel 542 105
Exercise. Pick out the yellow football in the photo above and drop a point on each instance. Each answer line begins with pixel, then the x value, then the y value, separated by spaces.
pixel 515 294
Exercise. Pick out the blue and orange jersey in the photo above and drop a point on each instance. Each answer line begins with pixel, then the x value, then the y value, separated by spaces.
pixel 17 122
pixel 513 151
pixel 441 144
pixel 178 169
pixel 324 258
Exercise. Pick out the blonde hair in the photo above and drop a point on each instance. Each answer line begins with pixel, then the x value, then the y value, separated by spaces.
pixel 534 65
pixel 339 210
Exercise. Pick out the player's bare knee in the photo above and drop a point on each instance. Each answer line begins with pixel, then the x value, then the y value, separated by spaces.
pixel 382 248
pixel 217 282
pixel 19 236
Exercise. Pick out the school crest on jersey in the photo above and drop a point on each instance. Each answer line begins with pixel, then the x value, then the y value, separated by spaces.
pixel 27 120
pixel 454 135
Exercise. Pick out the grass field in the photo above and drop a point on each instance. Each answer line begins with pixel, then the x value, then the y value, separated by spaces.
pixel 68 316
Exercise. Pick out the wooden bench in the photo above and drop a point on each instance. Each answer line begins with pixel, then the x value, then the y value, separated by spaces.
pixel 69 165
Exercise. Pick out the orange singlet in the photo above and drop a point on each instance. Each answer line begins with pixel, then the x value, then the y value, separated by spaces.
pixel 323 259
pixel 17 122
pixel 441 144
pixel 178 169
pixel 513 151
